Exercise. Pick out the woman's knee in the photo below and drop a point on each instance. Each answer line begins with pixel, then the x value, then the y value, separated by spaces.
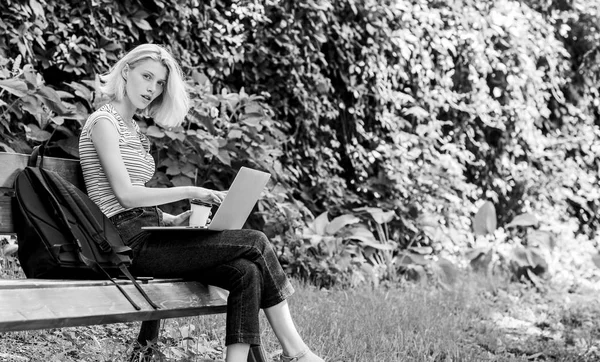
pixel 237 274
pixel 259 240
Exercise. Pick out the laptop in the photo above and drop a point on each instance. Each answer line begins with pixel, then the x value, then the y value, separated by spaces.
pixel 237 205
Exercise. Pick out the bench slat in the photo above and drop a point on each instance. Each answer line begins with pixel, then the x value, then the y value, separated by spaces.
pixel 41 304
pixel 12 163
pixel 53 283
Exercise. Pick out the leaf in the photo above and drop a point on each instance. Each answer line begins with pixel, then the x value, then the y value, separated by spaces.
pixel 526 219
pixel 423 250
pixel 403 97
pixel 155 132
pixel 173 170
pixel 480 258
pixel 313 240
pixel 448 45
pixel 525 257
pixel 320 223
pixel 168 162
pixel 142 24
pixel 7 148
pixel 206 121
pixel 111 47
pixel 36 134
pixel 70 145
pixel 235 134
pixel 200 78
pixel 581 201
pixel 379 246
pixel 38 10
pixel 141 14
pixel 339 222
pixel 181 180
pixel 64 95
pixel 537 281
pixel 541 239
pixel 9 249
pixel 416 273
pixel 186 331
pixel 485 220
pixel 370 29
pixel 210 145
pixel 446 271
pixel 417 112
pixel 407 258
pixel 30 75
pixel 252 119
pixel 53 100
pixel 361 234
pixel 172 135
pixel 224 157
pixel 520 256
pixel 81 90
pixel 58 120
pixel 380 216
pixel 476 252
pixel 189 170
pixel 14 86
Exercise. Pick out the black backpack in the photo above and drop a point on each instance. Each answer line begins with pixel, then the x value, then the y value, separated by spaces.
pixel 62 234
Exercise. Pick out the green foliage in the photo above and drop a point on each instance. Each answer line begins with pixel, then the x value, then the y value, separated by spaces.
pixel 416 107
pixel 29 107
pixel 9 264
pixel 355 248
pixel 519 248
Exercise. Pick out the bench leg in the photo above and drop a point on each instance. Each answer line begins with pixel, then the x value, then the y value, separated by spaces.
pixel 257 354
pixel 148 333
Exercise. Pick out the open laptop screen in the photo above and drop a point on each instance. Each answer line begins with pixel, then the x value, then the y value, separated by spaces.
pixel 237 205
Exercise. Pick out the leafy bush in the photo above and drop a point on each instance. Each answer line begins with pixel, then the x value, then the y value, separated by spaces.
pixel 419 108
pixel 519 248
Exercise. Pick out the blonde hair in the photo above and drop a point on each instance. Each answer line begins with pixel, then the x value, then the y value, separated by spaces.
pixel 170 108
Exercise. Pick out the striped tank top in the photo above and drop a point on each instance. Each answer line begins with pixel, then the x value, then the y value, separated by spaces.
pixel 135 152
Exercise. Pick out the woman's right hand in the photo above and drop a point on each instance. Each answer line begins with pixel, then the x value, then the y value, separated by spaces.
pixel 208 195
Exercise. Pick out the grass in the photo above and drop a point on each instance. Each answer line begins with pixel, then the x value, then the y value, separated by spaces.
pixel 407 322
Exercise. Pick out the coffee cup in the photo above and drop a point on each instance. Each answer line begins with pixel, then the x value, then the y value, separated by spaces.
pixel 200 212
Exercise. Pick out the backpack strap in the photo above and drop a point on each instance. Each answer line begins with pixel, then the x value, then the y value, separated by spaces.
pixel 62 216
pixel 119 255
pixel 38 151
pixel 83 213
pixel 96 267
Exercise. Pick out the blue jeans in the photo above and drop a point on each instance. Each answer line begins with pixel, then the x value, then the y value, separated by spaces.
pixel 241 261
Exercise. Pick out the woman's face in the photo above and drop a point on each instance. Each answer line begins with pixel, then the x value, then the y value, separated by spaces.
pixel 145 82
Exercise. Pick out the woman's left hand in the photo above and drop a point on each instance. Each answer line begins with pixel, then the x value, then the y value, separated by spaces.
pixel 176 220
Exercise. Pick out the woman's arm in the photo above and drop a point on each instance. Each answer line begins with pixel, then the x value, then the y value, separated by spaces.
pixel 176 220
pixel 106 141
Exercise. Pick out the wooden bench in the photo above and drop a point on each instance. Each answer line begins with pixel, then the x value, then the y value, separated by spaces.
pixel 27 304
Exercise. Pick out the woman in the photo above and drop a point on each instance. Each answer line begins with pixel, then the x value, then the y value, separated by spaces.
pixel 116 166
